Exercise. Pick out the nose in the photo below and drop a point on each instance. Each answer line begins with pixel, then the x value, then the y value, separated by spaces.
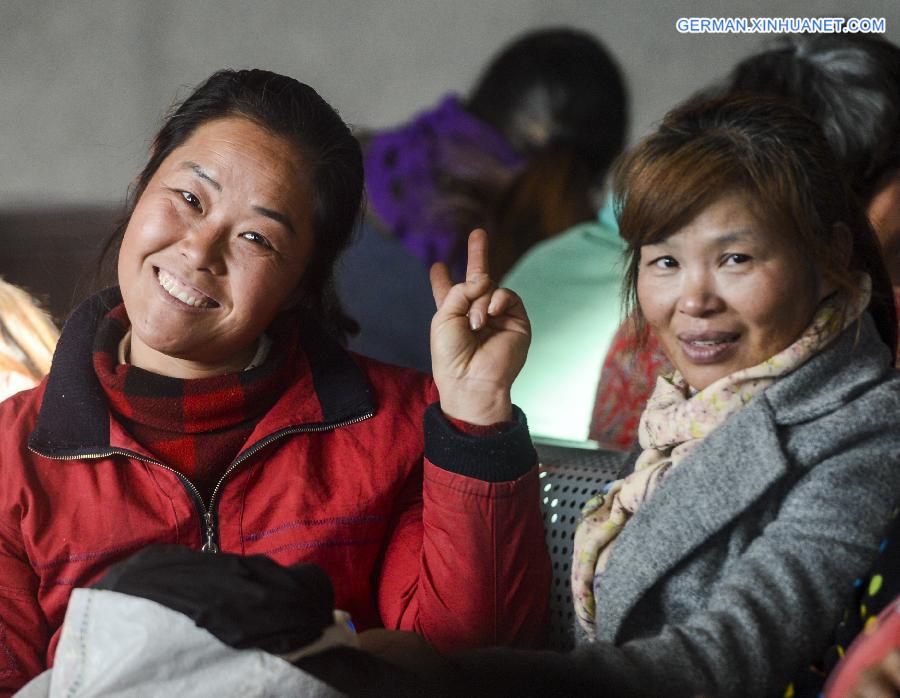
pixel 699 296
pixel 202 247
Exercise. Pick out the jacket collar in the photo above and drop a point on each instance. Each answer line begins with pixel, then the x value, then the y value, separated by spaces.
pixel 74 419
pixel 753 462
pixel 856 360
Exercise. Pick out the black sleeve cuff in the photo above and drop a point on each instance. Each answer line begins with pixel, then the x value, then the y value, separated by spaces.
pixel 501 458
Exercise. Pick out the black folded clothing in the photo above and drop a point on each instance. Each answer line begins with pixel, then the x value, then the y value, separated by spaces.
pixel 245 601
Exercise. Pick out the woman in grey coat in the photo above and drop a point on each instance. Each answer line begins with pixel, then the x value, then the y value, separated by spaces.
pixel 771 458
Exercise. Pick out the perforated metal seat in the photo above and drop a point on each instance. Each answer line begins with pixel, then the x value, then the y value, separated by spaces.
pixel 569 477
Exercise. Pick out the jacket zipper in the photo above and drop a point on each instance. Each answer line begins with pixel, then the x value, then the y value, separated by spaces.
pixel 208 523
pixel 211 545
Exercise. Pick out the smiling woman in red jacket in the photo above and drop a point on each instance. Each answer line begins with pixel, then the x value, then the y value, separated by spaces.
pixel 205 402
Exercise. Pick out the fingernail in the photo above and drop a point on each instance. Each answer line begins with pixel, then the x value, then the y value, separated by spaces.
pixel 475 319
pixel 492 307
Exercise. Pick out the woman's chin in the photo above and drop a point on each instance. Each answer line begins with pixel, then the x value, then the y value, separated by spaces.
pixel 187 357
pixel 702 376
pixel 702 365
pixel 163 336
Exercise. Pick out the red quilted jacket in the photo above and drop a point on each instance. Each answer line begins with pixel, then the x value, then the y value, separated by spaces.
pixel 424 529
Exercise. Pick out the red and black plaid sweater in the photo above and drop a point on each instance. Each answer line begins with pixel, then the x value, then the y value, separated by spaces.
pixel 195 426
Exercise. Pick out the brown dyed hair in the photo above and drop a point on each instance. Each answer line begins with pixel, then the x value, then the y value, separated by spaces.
pixel 769 150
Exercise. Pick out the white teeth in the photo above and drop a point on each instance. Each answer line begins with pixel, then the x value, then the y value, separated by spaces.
pixel 173 288
pixel 709 342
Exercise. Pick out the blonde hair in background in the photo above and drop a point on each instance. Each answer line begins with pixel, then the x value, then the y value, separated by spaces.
pixel 27 334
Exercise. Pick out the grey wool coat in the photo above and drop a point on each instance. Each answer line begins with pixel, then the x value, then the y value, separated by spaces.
pixel 729 581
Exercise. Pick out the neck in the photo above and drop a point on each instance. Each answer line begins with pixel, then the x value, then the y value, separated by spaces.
pixel 149 359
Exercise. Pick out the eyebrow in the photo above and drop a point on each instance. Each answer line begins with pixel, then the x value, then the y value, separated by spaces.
pixel 275 216
pixel 726 239
pixel 201 173
pixel 733 236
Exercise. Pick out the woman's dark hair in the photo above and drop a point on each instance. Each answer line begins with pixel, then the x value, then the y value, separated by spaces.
pixel 774 153
pixel 849 84
pixel 555 86
pixel 559 99
pixel 296 113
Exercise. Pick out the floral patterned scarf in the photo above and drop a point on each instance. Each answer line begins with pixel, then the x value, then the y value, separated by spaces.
pixel 672 425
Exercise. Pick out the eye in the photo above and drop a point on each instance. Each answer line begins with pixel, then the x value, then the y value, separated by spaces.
pixel 665 262
pixel 192 200
pixel 737 258
pixel 257 239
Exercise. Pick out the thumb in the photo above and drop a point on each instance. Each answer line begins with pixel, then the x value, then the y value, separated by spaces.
pixel 459 298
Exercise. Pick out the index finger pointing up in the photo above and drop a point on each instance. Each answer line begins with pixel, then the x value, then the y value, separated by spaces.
pixel 477 255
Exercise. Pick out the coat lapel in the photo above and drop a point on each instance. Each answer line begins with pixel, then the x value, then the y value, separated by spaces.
pixel 701 496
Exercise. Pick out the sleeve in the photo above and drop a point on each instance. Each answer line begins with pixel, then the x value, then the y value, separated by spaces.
pixel 774 610
pixel 466 564
pixel 24 634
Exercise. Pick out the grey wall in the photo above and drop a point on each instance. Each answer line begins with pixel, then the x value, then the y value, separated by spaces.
pixel 83 85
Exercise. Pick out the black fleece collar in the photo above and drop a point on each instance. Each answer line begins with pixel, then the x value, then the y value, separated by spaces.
pixel 73 420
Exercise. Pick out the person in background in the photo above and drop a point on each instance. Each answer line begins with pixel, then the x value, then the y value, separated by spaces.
pixel 523 156
pixel 572 285
pixel 866 654
pixel 27 340
pixel 632 364
pixel 206 401
pixel 850 85
pixel 873 599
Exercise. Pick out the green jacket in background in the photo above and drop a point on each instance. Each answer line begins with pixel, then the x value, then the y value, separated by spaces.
pixel 571 287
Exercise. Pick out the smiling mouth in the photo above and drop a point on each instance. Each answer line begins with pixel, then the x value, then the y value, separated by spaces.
pixel 708 348
pixel 186 294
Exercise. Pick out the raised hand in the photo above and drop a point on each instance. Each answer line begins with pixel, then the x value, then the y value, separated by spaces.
pixel 479 340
